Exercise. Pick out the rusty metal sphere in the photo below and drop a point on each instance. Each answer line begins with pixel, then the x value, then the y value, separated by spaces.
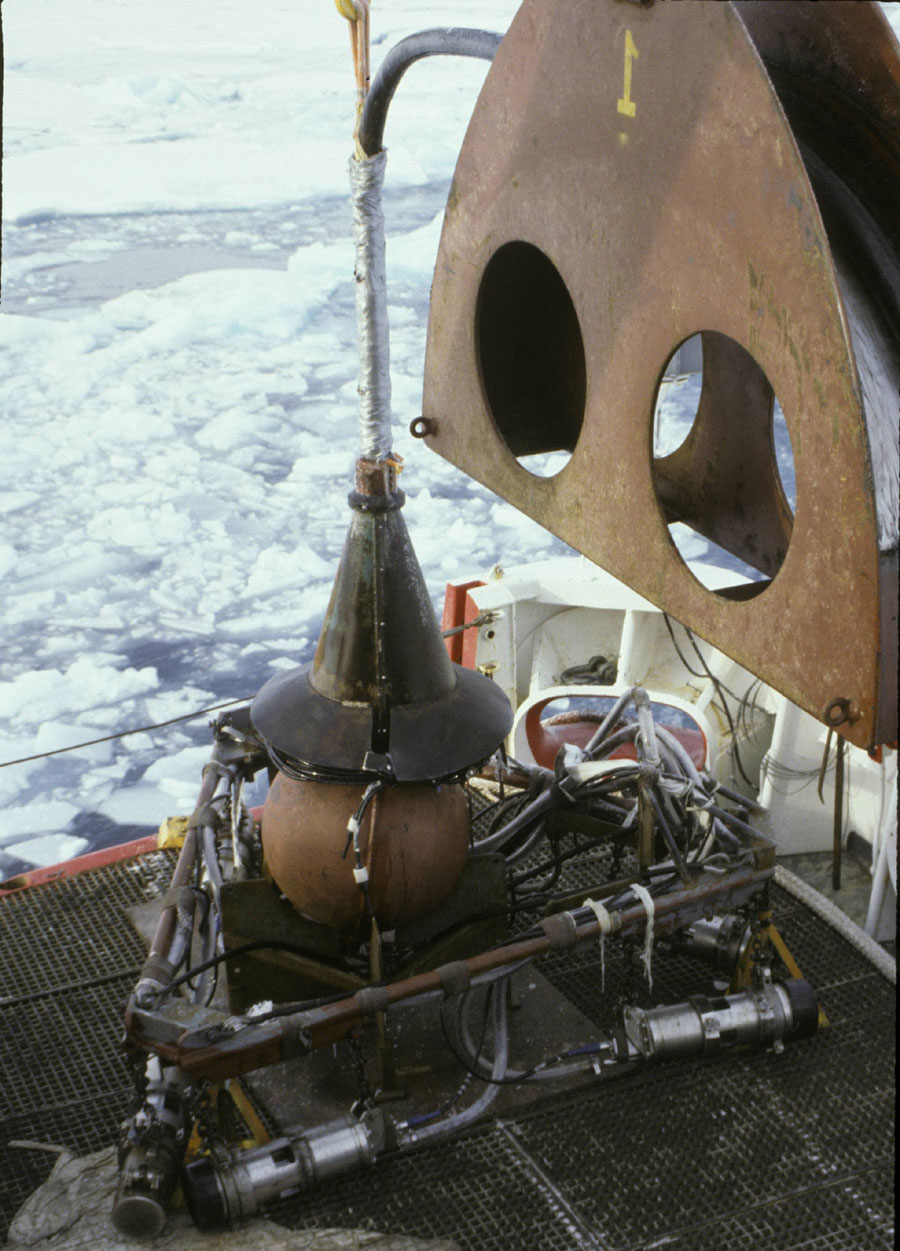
pixel 413 839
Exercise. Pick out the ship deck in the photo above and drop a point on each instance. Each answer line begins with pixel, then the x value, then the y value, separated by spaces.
pixel 744 1150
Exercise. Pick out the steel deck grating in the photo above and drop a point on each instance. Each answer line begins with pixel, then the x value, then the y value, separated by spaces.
pixel 81 1126
pixel 744 1150
pixel 64 1080
pixel 90 1022
pixel 478 1189
pixel 77 923
pixel 709 1140
pixel 844 1216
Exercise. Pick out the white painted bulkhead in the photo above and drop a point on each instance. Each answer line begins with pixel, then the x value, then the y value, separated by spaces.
pixel 545 618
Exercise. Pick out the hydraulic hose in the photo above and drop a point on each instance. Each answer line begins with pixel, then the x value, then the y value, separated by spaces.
pixel 678 750
pixel 462 1038
pixel 441 41
pixel 498 1071
pixel 538 808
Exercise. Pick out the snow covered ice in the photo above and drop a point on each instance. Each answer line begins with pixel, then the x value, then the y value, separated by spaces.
pixel 178 375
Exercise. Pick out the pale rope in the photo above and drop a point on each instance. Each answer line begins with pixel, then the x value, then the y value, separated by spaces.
pixel 838 920
pixel 650 908
pixel 605 921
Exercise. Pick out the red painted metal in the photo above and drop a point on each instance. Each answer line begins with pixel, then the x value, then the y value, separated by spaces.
pixel 545 738
pixel 79 864
pixel 469 637
pixel 454 615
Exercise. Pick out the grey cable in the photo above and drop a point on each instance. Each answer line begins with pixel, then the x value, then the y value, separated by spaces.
pixel 441 41
pixel 489 1094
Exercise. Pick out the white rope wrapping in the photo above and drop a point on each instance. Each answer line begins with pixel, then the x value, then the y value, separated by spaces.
pixel 838 920
pixel 650 908
pixel 374 385
pixel 605 921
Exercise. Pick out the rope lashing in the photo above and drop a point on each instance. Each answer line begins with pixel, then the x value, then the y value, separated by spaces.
pixel 650 908
pixel 607 925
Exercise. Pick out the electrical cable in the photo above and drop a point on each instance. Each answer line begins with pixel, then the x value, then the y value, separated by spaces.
pixel 201 925
pixel 720 691
pixel 109 738
pixel 498 1070
pixel 243 949
pixel 440 41
pixel 414 1121
pixel 515 1078
pixel 693 672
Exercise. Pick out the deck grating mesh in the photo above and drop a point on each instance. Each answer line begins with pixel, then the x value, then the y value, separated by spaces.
pixel 477 1189
pixel 745 1150
pixel 64 1080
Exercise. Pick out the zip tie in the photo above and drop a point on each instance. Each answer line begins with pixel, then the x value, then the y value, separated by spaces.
pixel 607 924
pixel 716 863
pixel 361 875
pixel 703 801
pixel 650 908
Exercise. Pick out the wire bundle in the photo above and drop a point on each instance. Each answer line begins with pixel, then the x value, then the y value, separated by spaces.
pixel 687 814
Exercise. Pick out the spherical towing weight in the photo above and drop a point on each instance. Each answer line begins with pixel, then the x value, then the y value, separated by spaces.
pixel 413 841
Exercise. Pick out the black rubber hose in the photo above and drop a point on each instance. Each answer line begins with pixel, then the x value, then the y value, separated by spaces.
pixel 442 41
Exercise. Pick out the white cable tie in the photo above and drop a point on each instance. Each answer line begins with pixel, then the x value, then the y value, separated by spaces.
pixel 361 875
pixel 353 826
pixel 606 923
pixel 629 818
pixel 650 908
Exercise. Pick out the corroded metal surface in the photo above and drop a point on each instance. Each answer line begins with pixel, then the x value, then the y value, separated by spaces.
pixel 784 1148
pixel 413 842
pixel 381 681
pixel 191 1037
pixel 638 165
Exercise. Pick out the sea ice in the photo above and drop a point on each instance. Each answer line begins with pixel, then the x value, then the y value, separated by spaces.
pixel 179 456
pixel 35 818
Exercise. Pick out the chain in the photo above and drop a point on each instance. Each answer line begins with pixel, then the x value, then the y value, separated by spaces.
pixel 205 1114
pixel 140 1127
pixel 366 1095
pixel 138 1066
pixel 135 1129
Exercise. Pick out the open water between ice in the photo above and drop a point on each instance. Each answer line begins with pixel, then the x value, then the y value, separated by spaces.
pixel 178 379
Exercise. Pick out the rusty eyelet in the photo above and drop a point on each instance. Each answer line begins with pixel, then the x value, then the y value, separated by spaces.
pixel 840 711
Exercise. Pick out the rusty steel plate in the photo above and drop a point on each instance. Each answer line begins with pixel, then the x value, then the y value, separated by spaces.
pixel 633 176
